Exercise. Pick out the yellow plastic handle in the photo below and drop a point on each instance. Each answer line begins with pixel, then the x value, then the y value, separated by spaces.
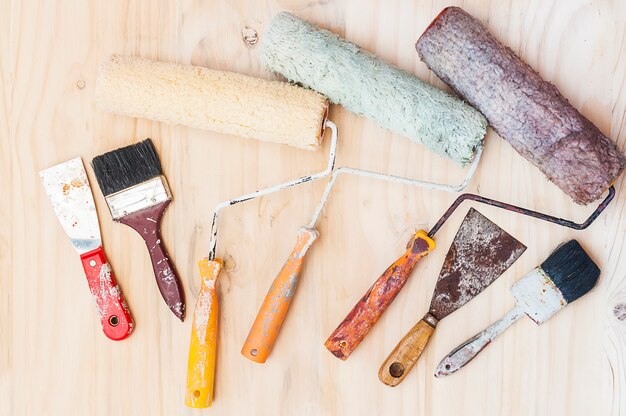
pixel 270 318
pixel 203 345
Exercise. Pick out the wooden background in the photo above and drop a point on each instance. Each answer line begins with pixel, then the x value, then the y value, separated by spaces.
pixel 54 359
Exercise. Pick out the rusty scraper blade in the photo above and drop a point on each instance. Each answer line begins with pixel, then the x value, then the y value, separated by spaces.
pixel 480 252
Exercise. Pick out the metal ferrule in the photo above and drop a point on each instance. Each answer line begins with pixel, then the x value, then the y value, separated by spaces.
pixel 430 320
pixel 537 295
pixel 138 197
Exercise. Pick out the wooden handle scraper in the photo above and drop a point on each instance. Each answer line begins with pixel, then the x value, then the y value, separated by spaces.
pixel 480 252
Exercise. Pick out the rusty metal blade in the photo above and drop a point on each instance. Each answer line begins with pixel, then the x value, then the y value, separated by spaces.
pixel 480 252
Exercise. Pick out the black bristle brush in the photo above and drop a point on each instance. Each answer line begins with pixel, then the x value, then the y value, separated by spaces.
pixel 137 194
pixel 566 275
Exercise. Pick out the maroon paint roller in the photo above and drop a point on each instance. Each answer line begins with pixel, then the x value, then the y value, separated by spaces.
pixel 525 110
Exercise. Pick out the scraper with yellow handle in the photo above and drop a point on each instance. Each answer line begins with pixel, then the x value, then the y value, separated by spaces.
pixel 203 344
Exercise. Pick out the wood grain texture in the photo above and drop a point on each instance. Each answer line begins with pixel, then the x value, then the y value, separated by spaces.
pixel 54 359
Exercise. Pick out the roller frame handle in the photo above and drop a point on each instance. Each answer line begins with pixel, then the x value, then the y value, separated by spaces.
pixel 115 318
pixel 271 316
pixel 407 352
pixel 347 336
pixel 203 344
pixel 466 352
pixel 147 222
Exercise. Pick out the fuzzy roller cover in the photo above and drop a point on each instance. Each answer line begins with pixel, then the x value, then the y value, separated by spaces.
pixel 369 86
pixel 220 101
pixel 527 111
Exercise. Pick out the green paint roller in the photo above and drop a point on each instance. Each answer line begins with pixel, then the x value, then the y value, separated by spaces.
pixel 369 86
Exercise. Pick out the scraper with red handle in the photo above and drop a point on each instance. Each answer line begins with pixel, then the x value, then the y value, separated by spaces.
pixel 68 188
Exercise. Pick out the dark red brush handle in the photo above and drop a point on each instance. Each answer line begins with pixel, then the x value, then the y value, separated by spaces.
pixel 117 323
pixel 147 222
pixel 351 331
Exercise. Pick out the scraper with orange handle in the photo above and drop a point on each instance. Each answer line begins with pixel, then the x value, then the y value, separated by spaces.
pixel 203 344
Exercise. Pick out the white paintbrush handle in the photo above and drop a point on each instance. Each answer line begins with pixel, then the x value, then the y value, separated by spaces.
pixel 465 352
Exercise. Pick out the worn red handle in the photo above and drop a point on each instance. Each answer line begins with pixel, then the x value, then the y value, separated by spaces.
pixel 147 222
pixel 351 331
pixel 272 313
pixel 117 323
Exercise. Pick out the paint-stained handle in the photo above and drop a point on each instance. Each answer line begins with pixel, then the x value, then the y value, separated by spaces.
pixel 344 340
pixel 117 323
pixel 203 345
pixel 270 318
pixel 147 222
pixel 407 352
pixel 465 352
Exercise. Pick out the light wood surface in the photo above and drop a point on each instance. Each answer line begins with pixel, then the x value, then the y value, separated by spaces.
pixel 54 359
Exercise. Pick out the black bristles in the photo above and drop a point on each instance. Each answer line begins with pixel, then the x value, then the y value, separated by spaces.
pixel 127 166
pixel 572 270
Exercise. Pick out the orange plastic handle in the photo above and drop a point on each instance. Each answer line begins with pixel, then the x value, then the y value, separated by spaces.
pixel 203 345
pixel 270 318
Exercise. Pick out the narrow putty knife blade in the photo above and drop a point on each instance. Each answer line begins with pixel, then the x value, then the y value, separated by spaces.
pixel 480 252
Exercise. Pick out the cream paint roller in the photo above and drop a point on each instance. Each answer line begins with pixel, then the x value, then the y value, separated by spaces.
pixel 219 101
pixel 367 86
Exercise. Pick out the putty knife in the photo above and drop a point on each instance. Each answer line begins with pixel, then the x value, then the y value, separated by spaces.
pixel 480 252
pixel 68 188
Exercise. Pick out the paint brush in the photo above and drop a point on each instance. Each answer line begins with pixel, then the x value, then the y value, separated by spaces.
pixel 566 275
pixel 137 194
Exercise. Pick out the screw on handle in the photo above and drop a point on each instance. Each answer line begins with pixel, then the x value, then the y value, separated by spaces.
pixel 407 352
pixel 115 318
pixel 203 344
pixel 270 317
pixel 347 336
pixel 468 350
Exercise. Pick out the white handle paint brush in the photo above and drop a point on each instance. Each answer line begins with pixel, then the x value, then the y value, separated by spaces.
pixel 566 275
